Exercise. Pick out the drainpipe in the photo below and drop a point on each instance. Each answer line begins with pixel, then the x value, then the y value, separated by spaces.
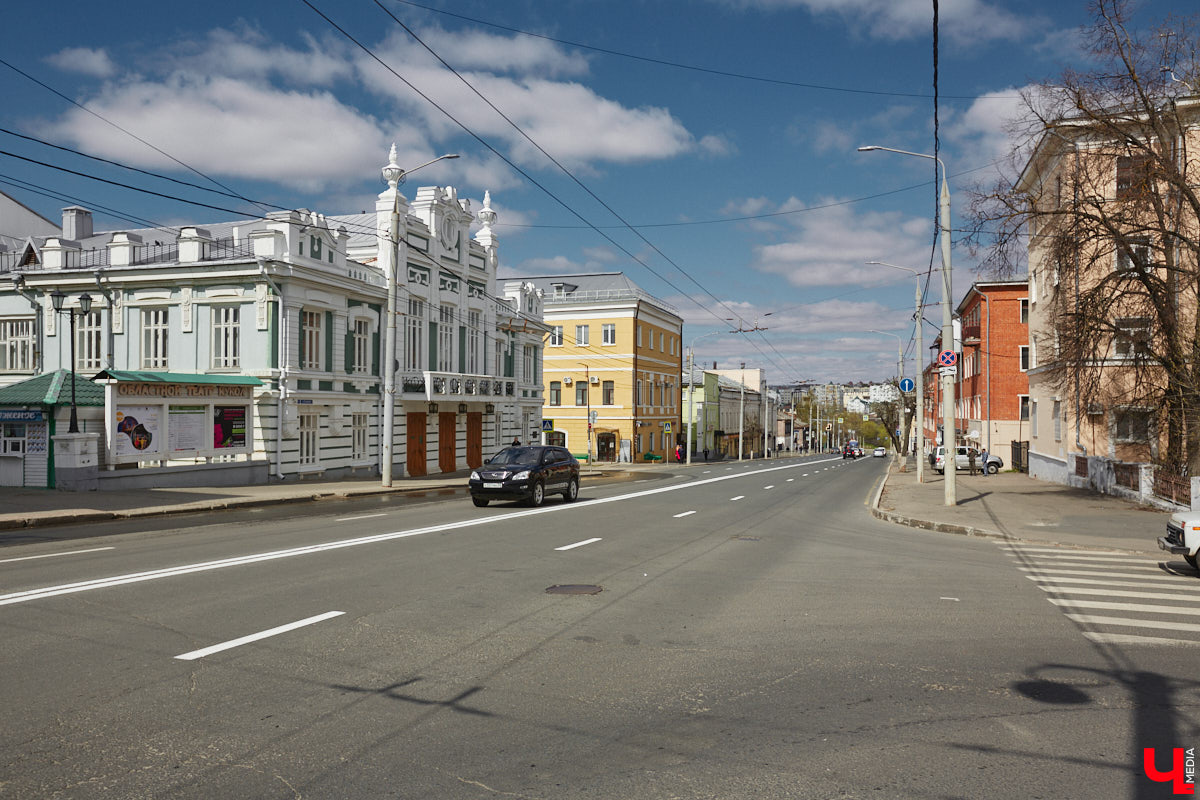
pixel 283 369
pixel 19 287
pixel 109 344
pixel 637 309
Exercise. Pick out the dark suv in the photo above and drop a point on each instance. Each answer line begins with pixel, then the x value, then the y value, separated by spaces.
pixel 526 473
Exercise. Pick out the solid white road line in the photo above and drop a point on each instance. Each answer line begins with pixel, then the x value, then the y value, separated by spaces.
pixel 364 516
pixel 254 637
pixel 684 514
pixel 739 497
pixel 204 566
pixel 54 555
pixel 578 544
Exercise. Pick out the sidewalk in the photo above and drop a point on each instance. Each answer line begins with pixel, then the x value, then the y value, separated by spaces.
pixel 1014 506
pixel 30 508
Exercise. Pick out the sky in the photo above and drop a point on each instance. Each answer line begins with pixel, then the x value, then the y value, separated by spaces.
pixel 708 148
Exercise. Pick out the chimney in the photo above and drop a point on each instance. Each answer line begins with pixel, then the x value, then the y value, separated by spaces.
pixel 76 223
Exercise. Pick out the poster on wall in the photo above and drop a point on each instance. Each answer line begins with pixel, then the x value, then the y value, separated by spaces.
pixel 138 429
pixel 186 427
pixel 229 427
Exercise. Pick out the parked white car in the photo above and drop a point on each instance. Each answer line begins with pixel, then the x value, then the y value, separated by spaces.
pixel 1183 536
pixel 994 462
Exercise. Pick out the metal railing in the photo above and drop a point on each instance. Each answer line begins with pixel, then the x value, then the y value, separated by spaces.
pixel 1172 486
pixel 599 295
pixel 1128 476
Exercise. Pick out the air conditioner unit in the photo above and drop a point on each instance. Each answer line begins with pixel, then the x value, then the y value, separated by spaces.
pixel 595 379
pixel 567 381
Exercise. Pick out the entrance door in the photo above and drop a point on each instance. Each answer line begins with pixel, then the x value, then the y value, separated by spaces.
pixel 475 439
pixel 416 443
pixel 447 441
pixel 606 447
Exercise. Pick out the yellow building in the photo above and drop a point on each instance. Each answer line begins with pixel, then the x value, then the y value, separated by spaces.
pixel 614 351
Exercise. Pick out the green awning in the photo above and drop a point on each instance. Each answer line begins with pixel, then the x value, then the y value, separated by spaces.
pixel 176 377
pixel 53 389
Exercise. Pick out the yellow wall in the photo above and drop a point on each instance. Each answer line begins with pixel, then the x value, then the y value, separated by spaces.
pixel 611 363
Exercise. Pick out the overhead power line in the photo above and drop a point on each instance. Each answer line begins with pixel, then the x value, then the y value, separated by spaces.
pixel 690 67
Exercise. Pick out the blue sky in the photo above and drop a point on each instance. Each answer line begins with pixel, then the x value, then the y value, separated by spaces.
pixel 750 196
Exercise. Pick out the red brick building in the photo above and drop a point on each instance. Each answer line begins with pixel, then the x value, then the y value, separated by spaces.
pixel 991 390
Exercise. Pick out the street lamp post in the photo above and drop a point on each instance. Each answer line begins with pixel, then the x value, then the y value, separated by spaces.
pixel 394 174
pixel 85 306
pixel 948 437
pixel 742 412
pixel 920 378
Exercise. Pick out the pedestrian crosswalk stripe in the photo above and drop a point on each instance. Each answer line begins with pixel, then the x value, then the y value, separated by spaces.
pixel 1132 638
pixel 1157 624
pixel 1088 558
pixel 1060 550
pixel 1082 583
pixel 1120 593
pixel 1166 579
pixel 1092 572
pixel 1101 605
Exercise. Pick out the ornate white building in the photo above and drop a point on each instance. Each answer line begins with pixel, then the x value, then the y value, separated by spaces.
pixel 255 347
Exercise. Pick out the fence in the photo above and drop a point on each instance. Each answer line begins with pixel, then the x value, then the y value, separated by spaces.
pixel 1170 486
pixel 1128 476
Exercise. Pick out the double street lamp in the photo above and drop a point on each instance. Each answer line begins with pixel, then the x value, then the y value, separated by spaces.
pixel 948 415
pixel 394 174
pixel 85 307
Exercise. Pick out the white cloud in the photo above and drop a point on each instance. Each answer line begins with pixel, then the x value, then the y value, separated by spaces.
pixel 85 60
pixel 248 54
pixel 829 247
pixel 223 126
pixel 964 22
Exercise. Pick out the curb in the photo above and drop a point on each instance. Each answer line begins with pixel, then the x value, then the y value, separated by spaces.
pixel 13 523
pixel 969 530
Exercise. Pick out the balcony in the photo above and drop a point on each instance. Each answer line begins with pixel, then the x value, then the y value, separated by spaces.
pixel 970 334
pixel 454 387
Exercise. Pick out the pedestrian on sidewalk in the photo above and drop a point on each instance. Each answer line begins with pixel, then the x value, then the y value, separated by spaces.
pixel 678 454
pixel 971 459
pixel 985 464
pixel 516 441
pixel 706 455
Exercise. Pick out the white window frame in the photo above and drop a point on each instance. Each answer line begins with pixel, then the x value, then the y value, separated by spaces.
pixel 16 345
pixel 1127 343
pixel 414 352
pixel 360 436
pixel 1023 358
pixel 310 439
pixel 360 340
pixel 527 362
pixel 608 333
pixel 89 342
pixel 156 330
pixel 312 328
pixel 226 337
pixel 474 341
pixel 583 335
pixel 1141 247
pixel 446 350
pixel 556 336
pixel 1125 413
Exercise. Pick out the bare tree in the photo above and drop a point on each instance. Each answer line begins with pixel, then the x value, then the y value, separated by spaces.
pixel 1101 199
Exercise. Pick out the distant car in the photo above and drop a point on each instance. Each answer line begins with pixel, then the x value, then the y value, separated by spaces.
pixel 880 452
pixel 526 473
pixel 963 460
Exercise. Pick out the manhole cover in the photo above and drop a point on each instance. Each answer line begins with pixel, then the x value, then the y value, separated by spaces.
pixel 573 588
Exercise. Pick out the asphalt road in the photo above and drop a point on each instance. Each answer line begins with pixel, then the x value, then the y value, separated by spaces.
pixel 756 633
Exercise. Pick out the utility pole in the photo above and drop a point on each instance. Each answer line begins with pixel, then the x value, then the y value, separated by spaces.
pixel 742 412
